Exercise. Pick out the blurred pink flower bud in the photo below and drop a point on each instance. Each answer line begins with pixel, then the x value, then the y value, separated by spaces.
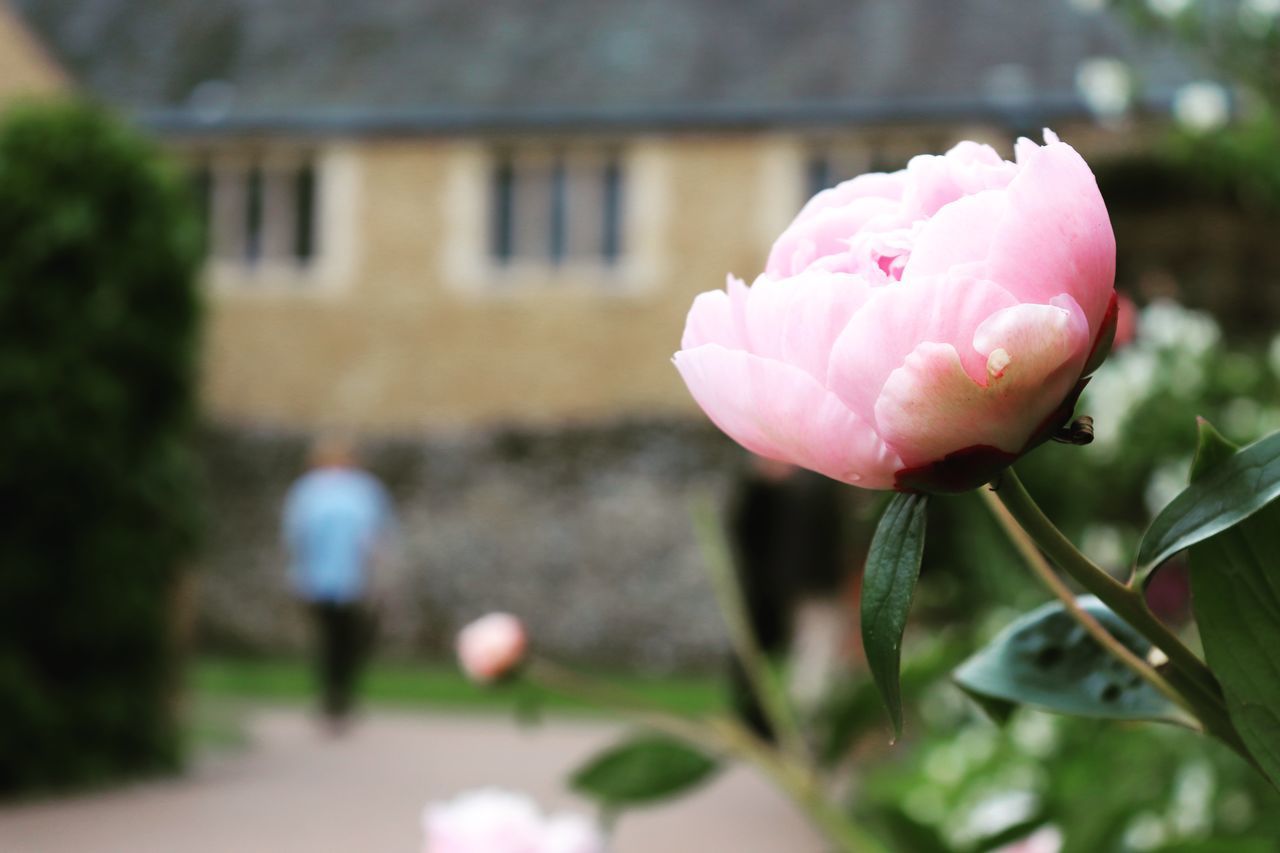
pixel 490 820
pixel 491 647
pixel 916 330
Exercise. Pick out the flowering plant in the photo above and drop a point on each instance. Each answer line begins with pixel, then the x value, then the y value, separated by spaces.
pixel 919 332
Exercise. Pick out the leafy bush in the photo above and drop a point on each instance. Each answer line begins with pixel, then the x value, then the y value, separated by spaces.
pixel 968 785
pixel 98 314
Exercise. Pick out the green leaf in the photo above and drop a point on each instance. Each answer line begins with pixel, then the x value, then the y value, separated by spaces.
pixel 893 567
pixel 1046 659
pixel 1235 588
pixel 1223 497
pixel 1212 449
pixel 642 770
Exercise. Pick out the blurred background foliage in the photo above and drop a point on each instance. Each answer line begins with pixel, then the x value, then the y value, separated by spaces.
pixel 98 323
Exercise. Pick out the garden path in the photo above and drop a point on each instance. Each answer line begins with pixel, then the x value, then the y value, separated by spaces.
pixel 293 790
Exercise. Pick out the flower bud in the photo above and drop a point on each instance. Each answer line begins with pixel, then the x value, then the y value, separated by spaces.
pixel 491 647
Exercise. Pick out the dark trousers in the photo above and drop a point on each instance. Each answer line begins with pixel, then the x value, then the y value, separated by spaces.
pixel 342 634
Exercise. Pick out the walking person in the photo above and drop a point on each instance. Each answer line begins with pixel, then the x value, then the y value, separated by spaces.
pixel 338 526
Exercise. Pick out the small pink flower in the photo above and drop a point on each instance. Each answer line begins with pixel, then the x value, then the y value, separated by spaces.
pixel 916 330
pixel 491 647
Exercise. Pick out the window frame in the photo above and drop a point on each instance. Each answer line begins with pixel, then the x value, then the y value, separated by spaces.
pixel 565 165
pixel 289 259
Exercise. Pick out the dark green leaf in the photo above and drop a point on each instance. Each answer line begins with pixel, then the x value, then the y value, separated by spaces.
pixel 1235 587
pixel 1225 496
pixel 1212 449
pixel 642 770
pixel 1048 660
pixel 893 566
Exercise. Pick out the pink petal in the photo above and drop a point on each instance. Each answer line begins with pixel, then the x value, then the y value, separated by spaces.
pixel 936 181
pixel 779 411
pixel 1056 236
pixel 931 406
pixel 718 317
pixel 797 320
pixel 976 154
pixel 876 342
pixel 960 233
pixel 824 231
pixel 887 185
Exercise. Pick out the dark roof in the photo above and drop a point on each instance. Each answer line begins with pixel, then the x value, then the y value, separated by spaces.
pixel 467 64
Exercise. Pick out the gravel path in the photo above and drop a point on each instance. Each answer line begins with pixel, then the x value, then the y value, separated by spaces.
pixel 293 790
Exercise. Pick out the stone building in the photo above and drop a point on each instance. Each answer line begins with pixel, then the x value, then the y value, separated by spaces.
pixel 447 213
pixel 470 231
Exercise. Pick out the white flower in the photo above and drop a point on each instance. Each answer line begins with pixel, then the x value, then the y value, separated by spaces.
pixel 491 820
pixel 1105 85
pixel 996 813
pixel 1202 106
pixel 1169 8
pixel 1046 839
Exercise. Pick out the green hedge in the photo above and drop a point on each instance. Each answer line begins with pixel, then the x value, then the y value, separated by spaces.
pixel 99 249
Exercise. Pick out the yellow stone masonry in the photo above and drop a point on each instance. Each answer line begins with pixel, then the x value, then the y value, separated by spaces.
pixel 26 70
pixel 413 326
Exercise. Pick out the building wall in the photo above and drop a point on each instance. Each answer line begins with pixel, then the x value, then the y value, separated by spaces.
pixel 25 68
pixel 413 325
pixel 407 323
pixel 585 532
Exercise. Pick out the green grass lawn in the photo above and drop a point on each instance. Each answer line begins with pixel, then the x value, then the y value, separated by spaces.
pixel 428 687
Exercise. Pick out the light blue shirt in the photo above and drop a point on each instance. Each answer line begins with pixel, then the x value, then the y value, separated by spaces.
pixel 334 519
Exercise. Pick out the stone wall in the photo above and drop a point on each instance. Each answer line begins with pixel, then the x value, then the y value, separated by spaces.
pixel 583 531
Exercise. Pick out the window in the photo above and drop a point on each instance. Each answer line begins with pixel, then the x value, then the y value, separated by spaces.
pixel 259 211
pixel 556 207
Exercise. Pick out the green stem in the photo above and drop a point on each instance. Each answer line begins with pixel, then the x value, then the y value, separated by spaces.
pixel 1041 568
pixel 1194 681
pixel 719 736
pixel 763 680
pixel 804 788
pixel 635 708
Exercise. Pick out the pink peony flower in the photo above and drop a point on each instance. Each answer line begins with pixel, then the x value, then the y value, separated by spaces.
pixel 491 647
pixel 916 330
pixel 490 820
